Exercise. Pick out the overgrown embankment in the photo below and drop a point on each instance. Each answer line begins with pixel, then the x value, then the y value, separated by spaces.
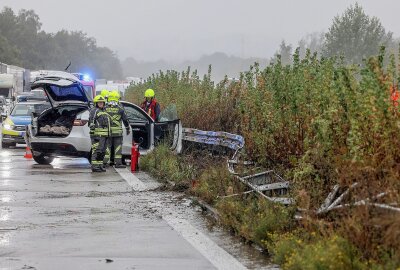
pixel 318 122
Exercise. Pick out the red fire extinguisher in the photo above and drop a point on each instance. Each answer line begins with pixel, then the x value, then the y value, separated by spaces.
pixel 135 154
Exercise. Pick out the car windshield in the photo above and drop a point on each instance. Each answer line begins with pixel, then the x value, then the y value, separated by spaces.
pixel 28 109
pixel 67 93
pixel 89 91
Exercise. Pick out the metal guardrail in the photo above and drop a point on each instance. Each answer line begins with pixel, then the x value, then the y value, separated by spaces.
pixel 266 184
pixel 269 184
pixel 219 138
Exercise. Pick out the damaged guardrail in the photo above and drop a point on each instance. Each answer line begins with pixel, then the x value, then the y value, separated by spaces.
pixel 267 184
pixel 219 138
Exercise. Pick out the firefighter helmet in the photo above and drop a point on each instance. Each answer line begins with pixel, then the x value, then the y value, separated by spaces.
pixel 114 96
pixel 149 93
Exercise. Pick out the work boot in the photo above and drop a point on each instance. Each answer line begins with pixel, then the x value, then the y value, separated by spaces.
pixel 103 168
pixel 119 166
pixel 97 169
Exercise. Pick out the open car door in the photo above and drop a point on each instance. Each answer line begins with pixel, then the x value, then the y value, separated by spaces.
pixel 169 129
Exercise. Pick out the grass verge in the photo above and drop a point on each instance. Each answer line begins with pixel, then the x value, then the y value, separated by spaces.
pixel 291 244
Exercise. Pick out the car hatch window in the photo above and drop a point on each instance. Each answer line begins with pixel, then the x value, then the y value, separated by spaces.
pixel 66 93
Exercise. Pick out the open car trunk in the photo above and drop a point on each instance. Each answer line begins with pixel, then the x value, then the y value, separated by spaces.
pixel 58 122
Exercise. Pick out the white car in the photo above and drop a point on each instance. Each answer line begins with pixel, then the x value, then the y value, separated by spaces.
pixel 70 109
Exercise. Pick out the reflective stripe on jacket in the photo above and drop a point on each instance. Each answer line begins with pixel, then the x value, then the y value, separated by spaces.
pixel 99 123
pixel 117 116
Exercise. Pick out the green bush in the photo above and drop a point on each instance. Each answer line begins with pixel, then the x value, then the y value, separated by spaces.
pixel 215 182
pixel 164 165
pixel 335 253
pixel 255 218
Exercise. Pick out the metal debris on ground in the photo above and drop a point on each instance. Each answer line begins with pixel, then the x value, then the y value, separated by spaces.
pixel 335 200
pixel 267 184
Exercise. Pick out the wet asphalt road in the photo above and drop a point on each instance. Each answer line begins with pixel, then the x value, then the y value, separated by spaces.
pixel 62 216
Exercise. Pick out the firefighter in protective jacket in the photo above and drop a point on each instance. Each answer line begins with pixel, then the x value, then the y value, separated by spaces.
pixel 99 124
pixel 117 117
pixel 150 105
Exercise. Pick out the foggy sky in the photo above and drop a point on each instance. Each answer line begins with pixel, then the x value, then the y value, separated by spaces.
pixel 177 30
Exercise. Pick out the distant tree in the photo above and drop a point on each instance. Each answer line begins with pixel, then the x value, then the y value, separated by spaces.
pixel 23 43
pixel 355 35
pixel 314 42
pixel 285 53
pixel 8 53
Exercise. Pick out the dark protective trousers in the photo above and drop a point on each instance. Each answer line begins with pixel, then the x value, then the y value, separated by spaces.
pixel 114 149
pixel 99 145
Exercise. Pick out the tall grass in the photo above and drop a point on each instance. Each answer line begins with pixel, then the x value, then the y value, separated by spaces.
pixel 318 121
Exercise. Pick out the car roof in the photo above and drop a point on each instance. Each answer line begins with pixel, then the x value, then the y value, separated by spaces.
pixel 33 103
pixel 41 74
pixel 53 81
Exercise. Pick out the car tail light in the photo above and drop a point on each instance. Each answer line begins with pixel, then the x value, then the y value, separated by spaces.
pixel 78 122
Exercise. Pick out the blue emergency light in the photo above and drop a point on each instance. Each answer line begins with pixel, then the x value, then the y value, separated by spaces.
pixel 86 78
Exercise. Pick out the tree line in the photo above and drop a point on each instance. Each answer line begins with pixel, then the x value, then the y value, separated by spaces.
pixel 353 35
pixel 24 43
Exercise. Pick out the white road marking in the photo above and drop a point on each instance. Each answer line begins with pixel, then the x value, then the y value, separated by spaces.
pixel 209 249
pixel 132 180
pixel 215 254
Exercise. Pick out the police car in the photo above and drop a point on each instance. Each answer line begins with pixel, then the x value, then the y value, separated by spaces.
pixel 14 125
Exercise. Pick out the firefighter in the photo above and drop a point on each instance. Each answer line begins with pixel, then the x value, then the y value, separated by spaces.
pixel 105 93
pixel 117 117
pixel 99 123
pixel 150 105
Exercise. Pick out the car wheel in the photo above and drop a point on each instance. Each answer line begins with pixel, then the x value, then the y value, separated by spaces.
pixel 123 160
pixel 42 159
pixel 7 145
pixel 89 156
pixel 4 145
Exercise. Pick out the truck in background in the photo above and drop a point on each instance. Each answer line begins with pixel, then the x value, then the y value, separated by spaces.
pixel 7 85
pixel 7 88
pixel 119 86
pixel 13 80
pixel 88 84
